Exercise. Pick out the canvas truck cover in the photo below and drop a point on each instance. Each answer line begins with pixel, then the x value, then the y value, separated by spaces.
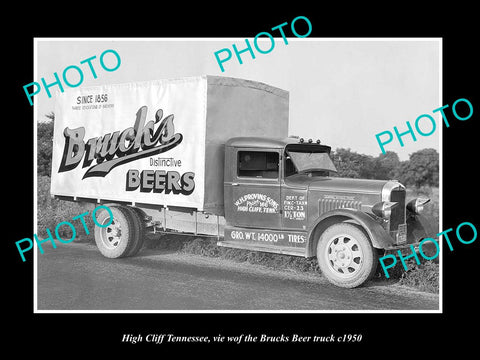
pixel 158 142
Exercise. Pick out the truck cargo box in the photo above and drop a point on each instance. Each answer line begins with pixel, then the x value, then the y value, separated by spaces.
pixel 158 143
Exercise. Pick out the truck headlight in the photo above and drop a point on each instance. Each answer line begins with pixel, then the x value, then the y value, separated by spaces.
pixel 384 209
pixel 416 205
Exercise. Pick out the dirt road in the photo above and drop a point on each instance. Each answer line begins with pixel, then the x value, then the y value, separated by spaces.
pixel 76 277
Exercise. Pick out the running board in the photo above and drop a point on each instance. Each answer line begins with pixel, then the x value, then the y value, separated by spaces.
pixel 256 247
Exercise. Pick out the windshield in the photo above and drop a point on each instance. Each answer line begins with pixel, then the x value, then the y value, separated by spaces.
pixel 306 161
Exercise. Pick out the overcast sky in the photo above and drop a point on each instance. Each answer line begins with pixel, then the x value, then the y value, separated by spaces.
pixel 342 91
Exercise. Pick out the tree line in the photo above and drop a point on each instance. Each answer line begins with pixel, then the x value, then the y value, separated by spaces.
pixel 421 169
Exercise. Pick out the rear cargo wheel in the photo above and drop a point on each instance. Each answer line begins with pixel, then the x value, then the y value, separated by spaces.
pixel 138 231
pixel 116 239
pixel 346 256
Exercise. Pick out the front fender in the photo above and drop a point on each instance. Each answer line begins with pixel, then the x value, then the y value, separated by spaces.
pixel 379 237
pixel 418 228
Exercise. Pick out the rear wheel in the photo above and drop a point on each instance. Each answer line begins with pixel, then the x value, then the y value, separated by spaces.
pixel 115 237
pixel 345 255
pixel 138 231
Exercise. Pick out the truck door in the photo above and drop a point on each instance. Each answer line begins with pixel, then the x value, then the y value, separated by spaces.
pixel 255 189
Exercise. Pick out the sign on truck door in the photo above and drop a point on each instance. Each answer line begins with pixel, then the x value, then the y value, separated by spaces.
pixel 256 189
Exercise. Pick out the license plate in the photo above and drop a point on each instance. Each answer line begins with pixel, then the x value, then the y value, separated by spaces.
pixel 402 234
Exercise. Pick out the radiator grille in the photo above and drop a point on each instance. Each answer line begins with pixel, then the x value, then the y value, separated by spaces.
pixel 398 213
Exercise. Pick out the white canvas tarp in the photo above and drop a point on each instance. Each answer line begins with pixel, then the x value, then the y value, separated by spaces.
pixel 106 137
pixel 158 142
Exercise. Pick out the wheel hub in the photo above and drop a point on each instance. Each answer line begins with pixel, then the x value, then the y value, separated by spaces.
pixel 111 235
pixel 344 255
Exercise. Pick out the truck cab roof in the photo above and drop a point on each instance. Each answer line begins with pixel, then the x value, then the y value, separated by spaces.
pixel 260 142
pixel 269 142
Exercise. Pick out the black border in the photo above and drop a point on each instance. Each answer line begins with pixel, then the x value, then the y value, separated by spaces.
pixel 392 332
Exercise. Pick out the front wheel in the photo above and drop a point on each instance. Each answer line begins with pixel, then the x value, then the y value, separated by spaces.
pixel 345 255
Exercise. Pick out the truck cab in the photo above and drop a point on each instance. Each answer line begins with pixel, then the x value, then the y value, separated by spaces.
pixel 280 197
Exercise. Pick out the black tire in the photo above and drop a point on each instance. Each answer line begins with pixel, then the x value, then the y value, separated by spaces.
pixel 138 233
pixel 117 239
pixel 346 256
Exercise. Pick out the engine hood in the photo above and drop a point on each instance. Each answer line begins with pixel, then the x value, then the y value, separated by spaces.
pixel 348 185
pixel 343 185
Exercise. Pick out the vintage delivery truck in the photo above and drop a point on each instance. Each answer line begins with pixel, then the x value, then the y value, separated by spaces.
pixel 211 156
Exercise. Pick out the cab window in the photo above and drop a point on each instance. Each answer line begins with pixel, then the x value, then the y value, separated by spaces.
pixel 258 164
